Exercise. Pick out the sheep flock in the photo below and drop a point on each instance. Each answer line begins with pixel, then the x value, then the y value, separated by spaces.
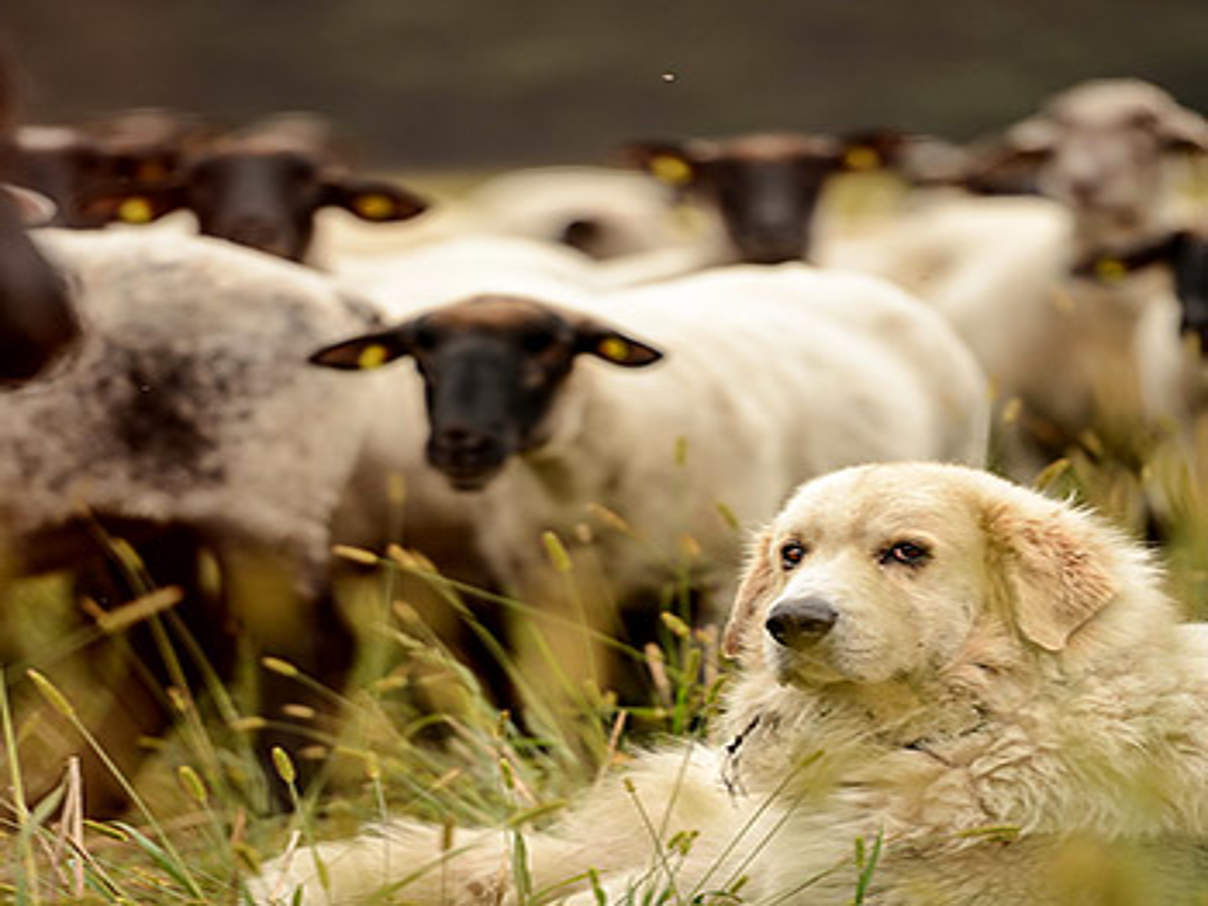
pixel 321 497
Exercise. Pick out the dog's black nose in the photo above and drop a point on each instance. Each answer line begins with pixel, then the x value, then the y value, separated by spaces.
pixel 800 620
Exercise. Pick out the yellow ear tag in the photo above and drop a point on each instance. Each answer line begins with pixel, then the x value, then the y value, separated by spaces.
pixel 135 210
pixel 669 169
pixel 1110 269
pixel 614 349
pixel 372 356
pixel 374 206
pixel 861 157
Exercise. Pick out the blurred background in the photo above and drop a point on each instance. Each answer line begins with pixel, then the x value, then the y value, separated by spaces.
pixel 436 83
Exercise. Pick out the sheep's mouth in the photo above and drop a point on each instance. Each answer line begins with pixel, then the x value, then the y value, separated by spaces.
pixel 469 478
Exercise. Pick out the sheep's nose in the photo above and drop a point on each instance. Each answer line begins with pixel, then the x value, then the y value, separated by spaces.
pixel 799 621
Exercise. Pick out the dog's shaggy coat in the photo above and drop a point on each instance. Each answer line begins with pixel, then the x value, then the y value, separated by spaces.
pixel 991 682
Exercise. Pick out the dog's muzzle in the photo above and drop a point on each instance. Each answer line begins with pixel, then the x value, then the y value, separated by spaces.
pixel 798 622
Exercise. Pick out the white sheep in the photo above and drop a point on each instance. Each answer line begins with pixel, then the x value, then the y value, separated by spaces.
pixel 1102 148
pixel 772 375
pixel 999 268
pixel 187 409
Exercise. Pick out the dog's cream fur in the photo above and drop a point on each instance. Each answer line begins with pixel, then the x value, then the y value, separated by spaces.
pixel 1017 715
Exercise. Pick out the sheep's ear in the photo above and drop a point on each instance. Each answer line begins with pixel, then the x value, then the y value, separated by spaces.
pixel 1008 165
pixel 367 351
pixel 135 205
pixel 874 149
pixel 675 164
pixel 1110 266
pixel 33 208
pixel 1037 135
pixel 373 200
pixel 757 582
pixel 915 157
pixel 1056 567
pixel 595 338
pixel 1183 130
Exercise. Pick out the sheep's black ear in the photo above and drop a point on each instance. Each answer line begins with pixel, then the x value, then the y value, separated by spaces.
pixel 33 208
pixel 604 342
pixel 367 351
pixel 1010 164
pixel 670 162
pixel 134 204
pixel 1108 266
pixel 372 200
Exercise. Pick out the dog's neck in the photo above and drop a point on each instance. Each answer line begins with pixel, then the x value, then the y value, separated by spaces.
pixel 773 730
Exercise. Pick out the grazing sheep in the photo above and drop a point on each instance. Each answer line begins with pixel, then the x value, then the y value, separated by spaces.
pixel 261 187
pixel 187 421
pixel 954 692
pixel 539 413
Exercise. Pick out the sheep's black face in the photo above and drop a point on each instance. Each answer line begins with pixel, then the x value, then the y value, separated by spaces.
pixel 266 201
pixel 37 322
pixel 767 205
pixel 489 388
pixel 766 185
pixel 493 367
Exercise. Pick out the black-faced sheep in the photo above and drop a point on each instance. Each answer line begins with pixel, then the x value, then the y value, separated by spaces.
pixel 262 186
pixel 540 414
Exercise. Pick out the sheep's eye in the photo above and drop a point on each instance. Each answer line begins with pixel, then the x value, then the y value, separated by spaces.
pixel 791 553
pixel 905 552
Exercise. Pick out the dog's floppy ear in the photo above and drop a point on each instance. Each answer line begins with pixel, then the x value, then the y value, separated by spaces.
pixel 756 582
pixel 1056 572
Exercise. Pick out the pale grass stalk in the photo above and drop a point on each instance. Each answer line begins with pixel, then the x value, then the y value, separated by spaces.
pixel 750 823
pixel 655 839
pixel 71 825
pixel 60 704
pixel 29 871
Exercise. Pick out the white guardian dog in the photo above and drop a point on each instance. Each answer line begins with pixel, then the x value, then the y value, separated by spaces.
pixel 984 687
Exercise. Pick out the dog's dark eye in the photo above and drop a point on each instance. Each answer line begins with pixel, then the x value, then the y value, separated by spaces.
pixel 905 552
pixel 791 553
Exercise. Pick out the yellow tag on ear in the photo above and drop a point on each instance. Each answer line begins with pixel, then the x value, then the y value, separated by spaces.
pixel 861 157
pixel 372 356
pixel 672 170
pixel 135 210
pixel 374 206
pixel 1110 269
pixel 614 349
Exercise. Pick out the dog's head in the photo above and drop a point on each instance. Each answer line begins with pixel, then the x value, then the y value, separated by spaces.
pixel 889 571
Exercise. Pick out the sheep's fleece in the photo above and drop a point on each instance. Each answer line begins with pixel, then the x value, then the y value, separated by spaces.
pixel 189 397
pixel 1004 695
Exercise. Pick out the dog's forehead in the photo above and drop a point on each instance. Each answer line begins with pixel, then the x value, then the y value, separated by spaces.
pixel 876 500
